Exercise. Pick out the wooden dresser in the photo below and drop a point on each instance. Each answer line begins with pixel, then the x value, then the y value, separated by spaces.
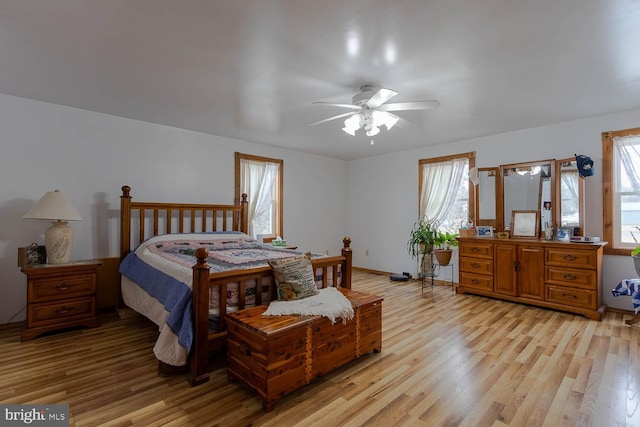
pixel 275 355
pixel 547 273
pixel 60 296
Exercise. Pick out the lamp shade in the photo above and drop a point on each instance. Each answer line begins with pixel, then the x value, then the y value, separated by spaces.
pixel 54 206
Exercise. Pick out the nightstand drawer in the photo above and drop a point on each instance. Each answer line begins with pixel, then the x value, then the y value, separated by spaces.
pixel 54 288
pixel 48 313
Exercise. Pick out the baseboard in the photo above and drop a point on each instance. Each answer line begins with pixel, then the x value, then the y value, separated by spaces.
pixel 368 270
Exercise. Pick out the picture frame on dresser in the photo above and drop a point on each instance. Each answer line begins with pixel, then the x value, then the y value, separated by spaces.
pixel 484 231
pixel 525 224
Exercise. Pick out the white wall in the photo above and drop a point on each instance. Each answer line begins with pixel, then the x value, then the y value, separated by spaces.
pixel 90 156
pixel 383 190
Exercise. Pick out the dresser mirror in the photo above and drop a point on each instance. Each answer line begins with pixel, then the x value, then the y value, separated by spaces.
pixel 527 186
pixel 487 210
pixel 570 188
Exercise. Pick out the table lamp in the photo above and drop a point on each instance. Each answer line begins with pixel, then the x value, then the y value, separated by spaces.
pixel 58 239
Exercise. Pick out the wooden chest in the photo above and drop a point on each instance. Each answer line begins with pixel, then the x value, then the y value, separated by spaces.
pixel 276 355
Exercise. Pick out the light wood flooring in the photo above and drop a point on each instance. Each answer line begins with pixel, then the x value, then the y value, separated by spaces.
pixel 446 360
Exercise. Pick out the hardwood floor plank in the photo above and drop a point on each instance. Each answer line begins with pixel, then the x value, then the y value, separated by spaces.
pixel 446 360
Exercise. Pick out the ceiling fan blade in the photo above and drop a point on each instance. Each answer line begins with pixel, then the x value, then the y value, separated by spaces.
pixel 331 104
pixel 416 105
pixel 351 113
pixel 380 97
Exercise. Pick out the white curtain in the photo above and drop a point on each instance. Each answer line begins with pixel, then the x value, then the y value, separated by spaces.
pixel 569 185
pixel 627 150
pixel 440 183
pixel 258 181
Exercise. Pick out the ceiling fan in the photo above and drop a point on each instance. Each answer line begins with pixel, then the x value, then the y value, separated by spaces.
pixel 371 111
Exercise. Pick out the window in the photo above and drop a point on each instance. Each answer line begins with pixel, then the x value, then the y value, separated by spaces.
pixel 621 189
pixel 261 179
pixel 446 198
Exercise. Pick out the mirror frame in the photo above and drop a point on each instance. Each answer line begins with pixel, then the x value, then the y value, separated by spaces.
pixel 552 173
pixel 558 201
pixel 498 182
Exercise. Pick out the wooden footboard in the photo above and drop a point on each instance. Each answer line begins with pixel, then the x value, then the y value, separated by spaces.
pixel 142 220
pixel 338 267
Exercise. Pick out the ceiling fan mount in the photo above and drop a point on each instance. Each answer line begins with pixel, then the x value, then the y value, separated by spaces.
pixel 365 94
pixel 370 110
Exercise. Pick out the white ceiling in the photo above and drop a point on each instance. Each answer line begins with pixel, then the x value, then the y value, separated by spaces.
pixel 251 69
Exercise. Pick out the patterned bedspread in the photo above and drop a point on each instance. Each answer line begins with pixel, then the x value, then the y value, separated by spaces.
pixel 236 252
pixel 162 266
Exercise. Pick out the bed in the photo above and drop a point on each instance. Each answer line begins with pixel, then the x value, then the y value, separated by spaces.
pixel 167 245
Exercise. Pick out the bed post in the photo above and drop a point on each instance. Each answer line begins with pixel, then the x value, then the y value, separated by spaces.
pixel 244 214
pixel 199 355
pixel 125 221
pixel 346 265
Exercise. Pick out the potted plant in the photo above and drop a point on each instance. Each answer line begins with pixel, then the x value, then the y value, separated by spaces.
pixel 444 241
pixel 421 240
pixel 635 254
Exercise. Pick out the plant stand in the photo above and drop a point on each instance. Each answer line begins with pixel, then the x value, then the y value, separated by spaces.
pixel 432 271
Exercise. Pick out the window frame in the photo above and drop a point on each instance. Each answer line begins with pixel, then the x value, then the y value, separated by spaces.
pixel 608 189
pixel 471 156
pixel 278 211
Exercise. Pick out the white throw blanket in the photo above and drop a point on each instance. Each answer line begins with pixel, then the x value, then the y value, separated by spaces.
pixel 329 303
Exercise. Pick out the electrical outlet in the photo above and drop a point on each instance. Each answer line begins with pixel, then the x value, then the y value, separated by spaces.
pixel 366 252
pixel 326 251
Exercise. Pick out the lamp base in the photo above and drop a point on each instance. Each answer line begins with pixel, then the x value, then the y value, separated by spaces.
pixel 58 240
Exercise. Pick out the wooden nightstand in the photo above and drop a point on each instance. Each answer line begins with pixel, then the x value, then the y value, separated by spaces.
pixel 60 296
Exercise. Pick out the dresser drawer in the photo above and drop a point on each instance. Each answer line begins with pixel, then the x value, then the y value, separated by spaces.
pixel 49 313
pixel 476 281
pixel 570 296
pixel 576 278
pixel 476 265
pixel 574 258
pixel 476 250
pixel 54 288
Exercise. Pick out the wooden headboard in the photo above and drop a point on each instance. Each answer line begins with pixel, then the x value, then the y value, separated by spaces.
pixel 142 220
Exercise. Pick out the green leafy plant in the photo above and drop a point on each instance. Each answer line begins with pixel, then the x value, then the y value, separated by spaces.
pixel 422 236
pixel 636 251
pixel 445 240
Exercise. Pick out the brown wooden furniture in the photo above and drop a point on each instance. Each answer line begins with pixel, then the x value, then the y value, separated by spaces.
pixel 275 355
pixel 560 275
pixel 142 220
pixel 60 296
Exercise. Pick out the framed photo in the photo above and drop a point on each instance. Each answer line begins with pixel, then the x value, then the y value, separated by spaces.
pixel 484 231
pixel 525 223
pixel 564 234
pixel 30 255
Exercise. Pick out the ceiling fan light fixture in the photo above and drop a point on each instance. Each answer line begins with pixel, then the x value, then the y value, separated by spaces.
pixel 352 124
pixel 373 131
pixel 381 118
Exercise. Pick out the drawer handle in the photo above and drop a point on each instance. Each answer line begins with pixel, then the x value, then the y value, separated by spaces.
pixel 569 277
pixel 63 287
pixel 63 310
pixel 569 257
pixel 569 296
pixel 475 265
pixel 475 281
pixel 474 249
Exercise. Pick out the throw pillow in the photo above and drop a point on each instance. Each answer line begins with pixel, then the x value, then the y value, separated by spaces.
pixel 294 277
